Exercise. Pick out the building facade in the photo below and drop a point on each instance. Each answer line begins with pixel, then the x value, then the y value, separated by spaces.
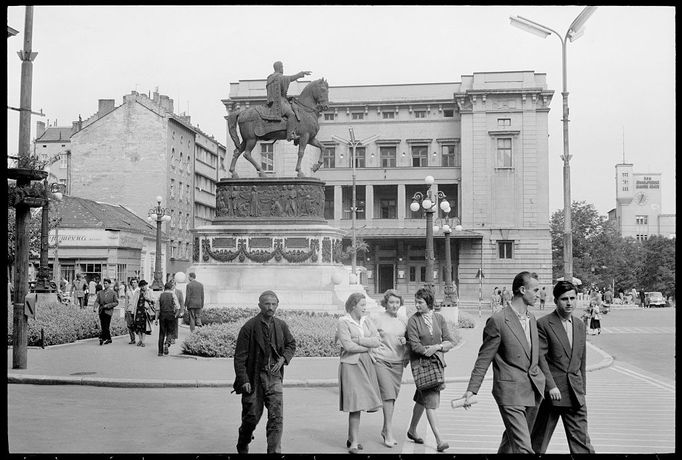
pixel 53 144
pixel 483 140
pixel 141 149
pixel 638 205
pixel 101 240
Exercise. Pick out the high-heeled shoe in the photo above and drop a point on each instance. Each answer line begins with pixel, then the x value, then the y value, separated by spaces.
pixel 442 446
pixel 348 444
pixel 414 438
pixel 388 444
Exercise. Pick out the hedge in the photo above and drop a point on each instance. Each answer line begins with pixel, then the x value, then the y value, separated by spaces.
pixel 64 324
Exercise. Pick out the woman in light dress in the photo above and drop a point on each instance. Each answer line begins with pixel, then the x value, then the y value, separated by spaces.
pixel 358 385
pixel 390 358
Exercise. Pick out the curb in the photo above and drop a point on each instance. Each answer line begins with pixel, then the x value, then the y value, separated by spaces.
pixel 606 361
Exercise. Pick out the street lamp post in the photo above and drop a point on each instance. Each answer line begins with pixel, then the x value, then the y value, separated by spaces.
pixel 353 143
pixel 158 214
pixel 575 31
pixel 429 202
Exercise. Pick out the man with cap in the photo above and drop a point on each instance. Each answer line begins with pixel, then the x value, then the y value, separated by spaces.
pixel 105 302
pixel 264 346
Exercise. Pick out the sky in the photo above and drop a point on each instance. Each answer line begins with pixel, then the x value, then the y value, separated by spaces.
pixel 620 73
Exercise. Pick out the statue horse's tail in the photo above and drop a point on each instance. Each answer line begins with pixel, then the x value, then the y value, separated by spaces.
pixel 232 128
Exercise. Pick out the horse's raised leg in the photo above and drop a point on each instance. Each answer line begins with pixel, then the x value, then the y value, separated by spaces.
pixel 316 143
pixel 250 144
pixel 302 142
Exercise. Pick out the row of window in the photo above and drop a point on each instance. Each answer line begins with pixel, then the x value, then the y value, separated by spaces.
pixel 183 192
pixel 205 156
pixel 204 184
pixel 387 115
pixel 450 156
pixel 180 161
pixel 179 221
pixel 179 250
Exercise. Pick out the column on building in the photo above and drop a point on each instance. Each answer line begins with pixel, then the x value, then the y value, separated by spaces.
pixel 338 203
pixel 401 203
pixel 369 202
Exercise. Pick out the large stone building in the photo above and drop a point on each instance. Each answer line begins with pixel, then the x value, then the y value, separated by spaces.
pixel 483 139
pixel 638 205
pixel 132 153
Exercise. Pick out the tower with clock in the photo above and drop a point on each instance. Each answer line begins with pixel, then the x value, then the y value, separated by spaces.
pixel 638 202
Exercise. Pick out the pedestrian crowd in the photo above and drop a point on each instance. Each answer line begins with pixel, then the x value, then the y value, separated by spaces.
pixel 538 368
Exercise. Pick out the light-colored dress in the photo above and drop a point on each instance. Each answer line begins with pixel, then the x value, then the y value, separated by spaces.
pixel 358 385
pixel 391 357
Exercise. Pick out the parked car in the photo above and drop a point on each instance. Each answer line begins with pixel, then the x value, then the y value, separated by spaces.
pixel 654 299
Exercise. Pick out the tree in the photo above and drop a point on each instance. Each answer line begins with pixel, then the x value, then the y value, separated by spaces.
pixel 658 262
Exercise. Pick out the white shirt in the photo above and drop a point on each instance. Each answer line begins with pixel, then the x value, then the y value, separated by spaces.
pixel 525 323
pixel 568 327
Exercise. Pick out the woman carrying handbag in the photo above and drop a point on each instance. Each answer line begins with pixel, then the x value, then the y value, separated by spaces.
pixel 428 337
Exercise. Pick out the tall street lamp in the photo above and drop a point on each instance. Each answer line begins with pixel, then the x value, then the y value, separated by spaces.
pixel 353 143
pixel 158 214
pixel 429 202
pixel 56 190
pixel 575 31
pixel 44 276
pixel 450 298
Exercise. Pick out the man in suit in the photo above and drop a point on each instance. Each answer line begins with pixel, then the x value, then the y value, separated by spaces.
pixel 510 342
pixel 562 345
pixel 105 302
pixel 194 301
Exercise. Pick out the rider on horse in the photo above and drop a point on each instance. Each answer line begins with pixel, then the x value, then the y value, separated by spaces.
pixel 277 86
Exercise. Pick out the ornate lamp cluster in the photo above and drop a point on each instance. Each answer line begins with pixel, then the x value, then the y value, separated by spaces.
pixel 159 215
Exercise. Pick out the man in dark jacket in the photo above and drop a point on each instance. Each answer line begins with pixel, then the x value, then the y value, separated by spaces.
pixel 194 301
pixel 264 346
pixel 562 344
pixel 105 302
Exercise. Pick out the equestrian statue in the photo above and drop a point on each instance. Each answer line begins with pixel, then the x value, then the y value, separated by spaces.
pixel 281 118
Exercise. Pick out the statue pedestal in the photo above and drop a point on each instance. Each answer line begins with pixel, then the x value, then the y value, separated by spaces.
pixel 270 233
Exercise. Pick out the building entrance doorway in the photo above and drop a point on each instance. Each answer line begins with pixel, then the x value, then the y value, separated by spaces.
pixel 386 277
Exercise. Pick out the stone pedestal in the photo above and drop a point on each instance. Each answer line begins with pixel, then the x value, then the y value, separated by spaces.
pixel 270 233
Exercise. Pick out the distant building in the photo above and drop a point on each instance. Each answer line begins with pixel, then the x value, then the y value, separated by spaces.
pixel 638 205
pixel 484 140
pixel 141 149
pixel 101 240
pixel 54 143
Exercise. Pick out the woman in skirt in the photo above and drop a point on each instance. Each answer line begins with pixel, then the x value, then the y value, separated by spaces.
pixel 390 357
pixel 358 385
pixel 142 319
pixel 595 318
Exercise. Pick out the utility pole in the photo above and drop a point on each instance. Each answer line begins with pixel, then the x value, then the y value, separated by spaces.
pixel 20 336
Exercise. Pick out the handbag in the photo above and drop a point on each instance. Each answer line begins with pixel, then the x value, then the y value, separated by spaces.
pixel 427 373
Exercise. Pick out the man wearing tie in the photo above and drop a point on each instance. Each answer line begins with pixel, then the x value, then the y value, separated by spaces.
pixel 510 342
pixel 562 344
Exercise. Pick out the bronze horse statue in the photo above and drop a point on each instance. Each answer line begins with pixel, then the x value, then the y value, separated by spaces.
pixel 313 99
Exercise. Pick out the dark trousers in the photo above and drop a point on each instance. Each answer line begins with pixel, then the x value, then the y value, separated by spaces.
pixel 194 318
pixel 518 423
pixel 130 322
pixel 165 330
pixel 574 420
pixel 265 391
pixel 81 302
pixel 105 320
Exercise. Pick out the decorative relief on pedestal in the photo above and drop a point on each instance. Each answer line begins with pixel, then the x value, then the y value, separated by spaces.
pixel 262 249
pixel 263 198
pixel 195 250
pixel 326 250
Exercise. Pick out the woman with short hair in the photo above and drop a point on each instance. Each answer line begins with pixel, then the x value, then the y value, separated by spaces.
pixel 358 385
pixel 427 335
pixel 390 358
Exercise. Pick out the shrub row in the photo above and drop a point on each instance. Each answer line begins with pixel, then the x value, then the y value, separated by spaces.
pixel 314 332
pixel 64 324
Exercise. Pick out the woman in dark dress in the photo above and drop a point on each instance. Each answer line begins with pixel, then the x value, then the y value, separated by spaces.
pixel 143 311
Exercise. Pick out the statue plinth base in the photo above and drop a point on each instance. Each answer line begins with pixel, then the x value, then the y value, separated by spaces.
pixel 270 233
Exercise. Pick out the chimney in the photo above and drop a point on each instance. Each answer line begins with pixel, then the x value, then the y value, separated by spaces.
pixel 105 106
pixel 74 127
pixel 40 129
pixel 166 103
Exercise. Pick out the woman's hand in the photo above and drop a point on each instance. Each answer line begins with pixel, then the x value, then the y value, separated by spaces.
pixel 431 350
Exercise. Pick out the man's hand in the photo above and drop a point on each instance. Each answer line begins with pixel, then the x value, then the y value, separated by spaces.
pixel 246 388
pixel 275 369
pixel 306 72
pixel 467 394
pixel 554 394
pixel 402 340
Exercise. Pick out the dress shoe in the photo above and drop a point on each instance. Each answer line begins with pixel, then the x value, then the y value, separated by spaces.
pixel 348 444
pixel 131 342
pixel 107 341
pixel 101 341
pixel 139 343
pixel 387 443
pixel 242 449
pixel 165 350
pixel 161 354
pixel 353 450
pixel 442 446
pixel 416 439
pixel 142 345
